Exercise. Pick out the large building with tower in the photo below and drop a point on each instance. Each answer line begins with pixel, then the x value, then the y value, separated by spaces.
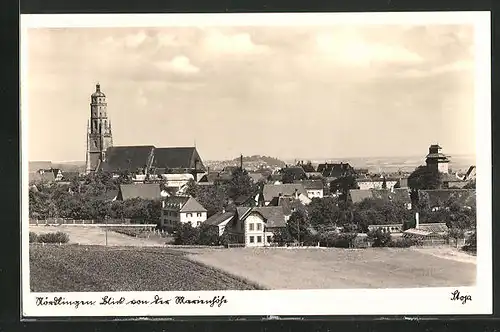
pixel 102 155
pixel 99 135
pixel 436 160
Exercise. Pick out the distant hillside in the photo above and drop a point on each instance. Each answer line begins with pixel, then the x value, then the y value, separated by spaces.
pixel 70 166
pixel 249 162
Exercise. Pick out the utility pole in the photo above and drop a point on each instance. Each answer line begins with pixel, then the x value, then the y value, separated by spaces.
pixel 298 231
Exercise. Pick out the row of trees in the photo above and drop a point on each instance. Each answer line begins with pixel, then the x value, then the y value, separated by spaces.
pixel 86 199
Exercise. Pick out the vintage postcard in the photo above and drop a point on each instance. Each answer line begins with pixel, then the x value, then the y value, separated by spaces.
pixel 256 164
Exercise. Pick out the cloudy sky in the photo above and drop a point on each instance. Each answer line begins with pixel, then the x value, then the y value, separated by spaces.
pixel 305 92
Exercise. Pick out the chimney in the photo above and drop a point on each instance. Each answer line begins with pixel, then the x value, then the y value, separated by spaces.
pixel 417 224
pixel 241 161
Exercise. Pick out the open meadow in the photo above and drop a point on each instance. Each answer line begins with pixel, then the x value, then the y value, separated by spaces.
pixel 275 268
pixel 73 268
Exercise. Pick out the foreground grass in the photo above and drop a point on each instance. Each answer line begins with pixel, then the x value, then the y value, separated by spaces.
pixel 339 268
pixel 70 268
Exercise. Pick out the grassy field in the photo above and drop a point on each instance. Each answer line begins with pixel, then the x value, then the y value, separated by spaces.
pixel 92 235
pixel 339 268
pixel 71 268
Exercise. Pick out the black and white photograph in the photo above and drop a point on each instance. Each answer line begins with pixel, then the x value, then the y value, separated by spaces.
pixel 189 164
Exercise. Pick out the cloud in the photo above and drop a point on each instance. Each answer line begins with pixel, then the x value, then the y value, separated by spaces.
pixel 179 64
pixel 240 43
pixel 135 40
pixel 351 50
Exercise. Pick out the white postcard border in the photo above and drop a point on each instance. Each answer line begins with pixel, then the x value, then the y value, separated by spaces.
pixel 422 301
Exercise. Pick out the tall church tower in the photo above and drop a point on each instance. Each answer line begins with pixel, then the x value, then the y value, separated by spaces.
pixel 99 136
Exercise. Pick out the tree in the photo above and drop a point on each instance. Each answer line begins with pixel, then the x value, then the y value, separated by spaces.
pixel 456 233
pixel 471 184
pixel 424 178
pixel 212 198
pixel 384 184
pixel 241 184
pixel 323 212
pixel 297 226
pixel 208 235
pixel 186 234
pixel 281 236
pixel 343 185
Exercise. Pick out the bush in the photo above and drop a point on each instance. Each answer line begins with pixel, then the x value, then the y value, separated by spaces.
pixel 402 243
pixel 33 237
pixel 471 243
pixel 380 238
pixel 58 237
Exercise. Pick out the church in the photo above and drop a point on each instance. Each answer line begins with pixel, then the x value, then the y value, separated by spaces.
pixel 144 159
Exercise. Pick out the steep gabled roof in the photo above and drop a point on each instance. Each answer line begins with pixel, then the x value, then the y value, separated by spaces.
pixel 273 215
pixel 433 227
pixel 311 184
pixel 335 169
pixel 296 172
pixel 140 190
pixel 131 158
pixel 359 195
pixel 288 189
pixel 219 218
pixel 192 205
pixel 178 157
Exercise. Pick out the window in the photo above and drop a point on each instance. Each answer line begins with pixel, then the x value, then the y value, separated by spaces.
pixel 189 215
pixel 259 239
pixel 198 214
pixel 251 239
pixel 259 227
pixel 269 240
pixel 250 227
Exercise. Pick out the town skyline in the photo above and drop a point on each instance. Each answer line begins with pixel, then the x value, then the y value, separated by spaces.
pixel 288 93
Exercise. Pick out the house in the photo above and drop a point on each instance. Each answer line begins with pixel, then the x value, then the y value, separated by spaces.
pixel 314 188
pixel 288 204
pixel 108 196
pixel 69 176
pixel 335 170
pixel 392 228
pixel 150 191
pixel 177 180
pixel 148 159
pixel 307 167
pixel 453 181
pixel 220 220
pixel 183 209
pixel 376 183
pixel 359 195
pixel 295 190
pixel 426 231
pixel 293 173
pixel 257 177
pixel 255 227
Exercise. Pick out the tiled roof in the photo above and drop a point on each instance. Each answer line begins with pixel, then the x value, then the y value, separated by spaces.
pixel 273 215
pixel 256 177
pixel 286 204
pixel 176 201
pixel 242 211
pixel 178 177
pixel 178 157
pixel 296 171
pixel 219 218
pixel 311 184
pixel 308 168
pixel 140 190
pixel 359 195
pixel 70 175
pixel 314 174
pixel 119 158
pixel 192 205
pixel 465 197
pixel 335 169
pixel 273 190
pixel 433 227
pixel 109 195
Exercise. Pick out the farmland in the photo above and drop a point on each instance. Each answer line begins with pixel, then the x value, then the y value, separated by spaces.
pixel 340 268
pixel 71 268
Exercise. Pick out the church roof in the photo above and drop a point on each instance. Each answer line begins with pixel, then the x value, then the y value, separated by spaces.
pixel 130 158
pixel 178 157
pixel 140 190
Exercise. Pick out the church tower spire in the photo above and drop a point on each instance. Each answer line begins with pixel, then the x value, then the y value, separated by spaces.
pixel 99 136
